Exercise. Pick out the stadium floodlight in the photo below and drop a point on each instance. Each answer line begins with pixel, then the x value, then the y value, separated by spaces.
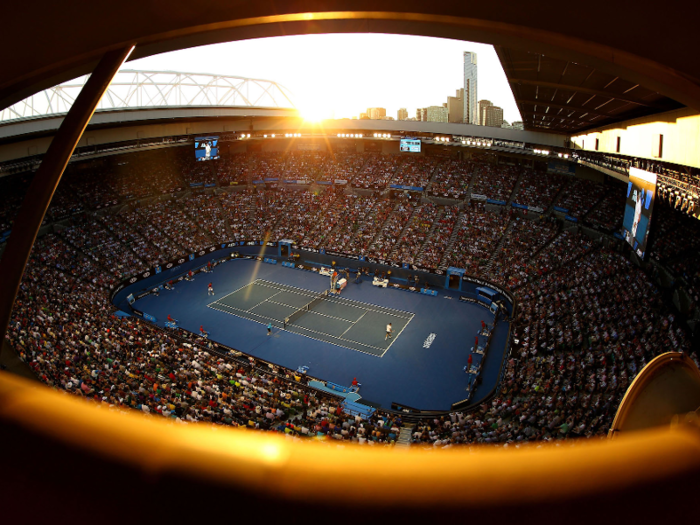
pixel 463 142
pixel 273 135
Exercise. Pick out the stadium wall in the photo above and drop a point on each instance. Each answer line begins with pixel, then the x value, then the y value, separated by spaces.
pixel 640 138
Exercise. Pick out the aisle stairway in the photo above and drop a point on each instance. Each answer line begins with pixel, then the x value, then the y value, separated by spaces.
pixel 516 188
pixel 499 246
pixel 404 439
pixel 450 244
pixel 436 223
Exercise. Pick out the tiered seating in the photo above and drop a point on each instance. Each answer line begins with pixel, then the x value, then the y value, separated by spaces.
pixel 415 171
pixel 509 266
pixel 477 236
pixel 377 172
pixel 205 210
pixel 387 238
pixel 539 188
pixel 451 180
pixel 90 236
pixel 580 196
pixel 232 170
pixel 609 213
pixel 494 181
pixel 416 233
pixel 298 213
pixel 436 245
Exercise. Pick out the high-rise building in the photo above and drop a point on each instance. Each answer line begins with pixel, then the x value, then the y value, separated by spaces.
pixel 422 114
pixel 494 116
pixel 471 115
pixel 455 107
pixel 376 113
pixel 402 114
pixel 518 125
pixel 483 104
pixel 436 114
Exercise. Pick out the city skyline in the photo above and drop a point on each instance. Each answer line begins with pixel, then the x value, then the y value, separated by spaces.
pixel 329 75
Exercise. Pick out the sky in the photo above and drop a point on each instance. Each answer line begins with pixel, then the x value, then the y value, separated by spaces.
pixel 341 75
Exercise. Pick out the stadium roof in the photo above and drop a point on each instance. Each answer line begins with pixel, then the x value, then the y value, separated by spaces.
pixel 565 96
pixel 611 38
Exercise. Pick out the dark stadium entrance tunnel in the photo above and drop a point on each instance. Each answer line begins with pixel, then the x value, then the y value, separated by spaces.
pixel 49 433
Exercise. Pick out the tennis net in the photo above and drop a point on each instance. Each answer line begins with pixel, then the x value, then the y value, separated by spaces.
pixel 308 306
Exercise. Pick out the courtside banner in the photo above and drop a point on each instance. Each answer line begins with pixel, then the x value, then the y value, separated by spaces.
pixel 209 251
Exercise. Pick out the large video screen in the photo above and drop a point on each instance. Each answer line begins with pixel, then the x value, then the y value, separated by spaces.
pixel 641 190
pixel 410 145
pixel 206 148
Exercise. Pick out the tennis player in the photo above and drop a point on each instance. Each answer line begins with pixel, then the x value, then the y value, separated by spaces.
pixel 389 330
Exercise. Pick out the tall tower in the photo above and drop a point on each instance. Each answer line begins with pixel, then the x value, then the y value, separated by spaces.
pixel 471 113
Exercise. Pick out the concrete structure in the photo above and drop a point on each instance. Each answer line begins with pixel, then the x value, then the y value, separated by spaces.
pixel 483 104
pixel 493 116
pixel 471 115
pixel 437 114
pixel 455 107
pixel 376 113
pixel 402 114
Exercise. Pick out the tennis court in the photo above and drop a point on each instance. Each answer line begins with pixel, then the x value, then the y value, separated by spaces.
pixel 343 322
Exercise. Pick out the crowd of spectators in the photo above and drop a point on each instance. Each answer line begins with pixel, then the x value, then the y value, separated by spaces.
pixel 580 196
pixel 342 166
pixel 565 248
pixel 345 211
pixel 415 171
pixel 495 181
pixel 538 189
pixel 451 179
pixel 147 220
pixel 525 238
pixel 377 171
pixel 206 212
pixel 65 330
pixel 438 241
pixel 232 169
pixel 365 231
pixel 579 343
pixel 245 213
pixel 90 236
pixel 580 346
pixel 609 213
pixel 415 234
pixel 384 242
pixel 298 213
pixel 478 234
pixel 169 216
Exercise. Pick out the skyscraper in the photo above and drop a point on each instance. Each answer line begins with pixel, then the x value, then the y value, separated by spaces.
pixel 471 115
pixel 483 104
pixel 402 114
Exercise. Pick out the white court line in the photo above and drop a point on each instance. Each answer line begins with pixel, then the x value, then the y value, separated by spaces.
pixel 353 324
pixel 304 335
pixel 344 301
pixel 261 302
pixel 339 300
pixel 315 312
pixel 397 335
pixel 225 296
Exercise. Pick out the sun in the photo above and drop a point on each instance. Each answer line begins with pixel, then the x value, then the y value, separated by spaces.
pixel 315 113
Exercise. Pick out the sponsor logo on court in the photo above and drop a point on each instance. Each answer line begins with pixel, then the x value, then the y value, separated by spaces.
pixel 429 340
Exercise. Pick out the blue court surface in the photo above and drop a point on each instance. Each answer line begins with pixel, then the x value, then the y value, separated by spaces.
pixel 340 337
